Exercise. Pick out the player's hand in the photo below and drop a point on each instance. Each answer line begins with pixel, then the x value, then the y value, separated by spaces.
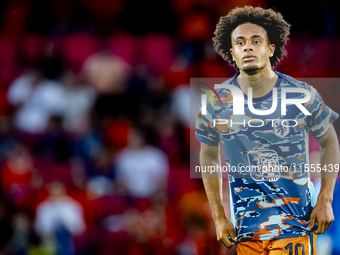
pixel 224 229
pixel 323 214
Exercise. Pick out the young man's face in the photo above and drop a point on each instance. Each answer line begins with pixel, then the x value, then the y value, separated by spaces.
pixel 250 48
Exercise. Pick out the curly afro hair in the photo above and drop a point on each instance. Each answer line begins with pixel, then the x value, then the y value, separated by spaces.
pixel 277 30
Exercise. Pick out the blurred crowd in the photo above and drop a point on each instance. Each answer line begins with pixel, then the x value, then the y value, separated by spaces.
pixel 94 120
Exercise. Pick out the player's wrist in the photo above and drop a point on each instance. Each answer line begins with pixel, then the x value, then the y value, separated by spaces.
pixel 220 219
pixel 325 198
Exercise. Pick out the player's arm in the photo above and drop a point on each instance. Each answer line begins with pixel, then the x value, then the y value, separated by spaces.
pixel 323 211
pixel 210 156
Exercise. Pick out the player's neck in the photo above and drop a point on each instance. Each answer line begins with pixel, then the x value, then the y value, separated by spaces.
pixel 261 83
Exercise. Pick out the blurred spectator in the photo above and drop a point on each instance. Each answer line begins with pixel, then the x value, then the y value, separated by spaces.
pixel 108 75
pixel 105 72
pixel 181 104
pixel 38 98
pixel 98 186
pixel 59 218
pixel 78 101
pixel 142 170
pixel 19 242
pixel 16 174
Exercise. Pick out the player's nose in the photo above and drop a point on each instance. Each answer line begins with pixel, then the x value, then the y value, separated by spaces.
pixel 248 47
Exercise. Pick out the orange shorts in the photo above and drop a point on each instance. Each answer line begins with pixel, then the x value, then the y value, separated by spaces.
pixel 302 245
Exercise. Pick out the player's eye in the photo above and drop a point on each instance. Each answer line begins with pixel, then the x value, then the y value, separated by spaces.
pixel 256 42
pixel 240 43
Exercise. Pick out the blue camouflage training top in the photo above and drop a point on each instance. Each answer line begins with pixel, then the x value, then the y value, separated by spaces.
pixel 267 204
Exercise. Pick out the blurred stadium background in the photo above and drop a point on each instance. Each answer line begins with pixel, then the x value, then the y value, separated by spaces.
pixel 94 120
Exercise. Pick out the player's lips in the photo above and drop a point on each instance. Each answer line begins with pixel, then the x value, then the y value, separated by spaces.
pixel 247 58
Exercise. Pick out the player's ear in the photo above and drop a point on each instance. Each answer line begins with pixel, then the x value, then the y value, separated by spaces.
pixel 232 53
pixel 271 49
